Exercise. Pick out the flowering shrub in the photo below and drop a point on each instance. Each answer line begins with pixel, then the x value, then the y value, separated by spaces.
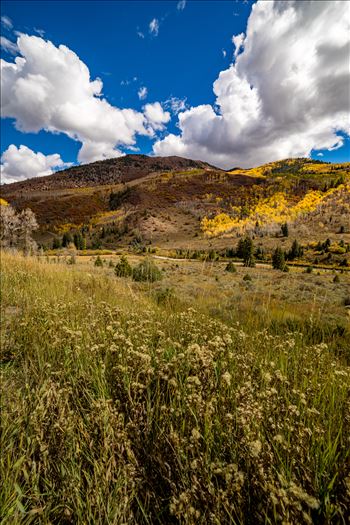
pixel 117 411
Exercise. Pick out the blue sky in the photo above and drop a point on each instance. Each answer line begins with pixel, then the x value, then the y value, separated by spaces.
pixel 182 61
pixel 190 45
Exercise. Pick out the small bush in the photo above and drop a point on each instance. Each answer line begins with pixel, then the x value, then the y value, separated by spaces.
pixel 336 279
pixel 309 269
pixel 231 267
pixel 165 417
pixel 123 268
pixel 98 261
pixel 247 277
pixel 165 296
pixel 147 271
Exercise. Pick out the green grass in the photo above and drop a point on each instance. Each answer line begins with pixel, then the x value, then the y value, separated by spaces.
pixel 117 410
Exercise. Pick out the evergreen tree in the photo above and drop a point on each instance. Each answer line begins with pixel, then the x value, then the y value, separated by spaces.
pixel 285 230
pixel 230 252
pixel 295 252
pixel 260 254
pixel 78 241
pixel 212 255
pixel 66 239
pixel 278 259
pixel 245 250
pixel 56 244
pixel 326 245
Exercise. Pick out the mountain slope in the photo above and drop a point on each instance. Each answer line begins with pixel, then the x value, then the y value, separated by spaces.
pixel 111 171
pixel 175 202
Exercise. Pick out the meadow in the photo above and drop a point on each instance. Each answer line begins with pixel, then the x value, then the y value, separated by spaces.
pixel 145 403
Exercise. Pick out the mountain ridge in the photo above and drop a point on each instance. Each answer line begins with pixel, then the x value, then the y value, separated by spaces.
pixel 108 171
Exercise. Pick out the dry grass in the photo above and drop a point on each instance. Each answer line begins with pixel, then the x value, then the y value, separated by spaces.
pixel 270 296
pixel 116 410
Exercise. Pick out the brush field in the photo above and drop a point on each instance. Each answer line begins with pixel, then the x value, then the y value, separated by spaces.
pixel 146 403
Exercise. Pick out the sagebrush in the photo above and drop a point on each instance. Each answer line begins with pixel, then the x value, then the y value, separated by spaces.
pixel 117 410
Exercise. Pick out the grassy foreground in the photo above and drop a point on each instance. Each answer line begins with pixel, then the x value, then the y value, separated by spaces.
pixel 119 411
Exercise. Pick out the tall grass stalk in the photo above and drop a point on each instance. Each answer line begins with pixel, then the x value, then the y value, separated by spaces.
pixel 117 410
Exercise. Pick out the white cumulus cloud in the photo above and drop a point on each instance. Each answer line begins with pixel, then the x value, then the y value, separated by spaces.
pixel 92 151
pixel 23 163
pixel 181 5
pixel 50 88
pixel 156 116
pixel 286 93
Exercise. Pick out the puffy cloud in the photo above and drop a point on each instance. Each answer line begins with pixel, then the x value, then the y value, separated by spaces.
pixel 142 93
pixel 8 46
pixel 23 163
pixel 156 116
pixel 286 93
pixel 181 5
pixel 49 88
pixel 6 22
pixel 92 151
pixel 154 27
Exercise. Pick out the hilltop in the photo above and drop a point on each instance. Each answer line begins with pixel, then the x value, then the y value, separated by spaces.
pixel 99 173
